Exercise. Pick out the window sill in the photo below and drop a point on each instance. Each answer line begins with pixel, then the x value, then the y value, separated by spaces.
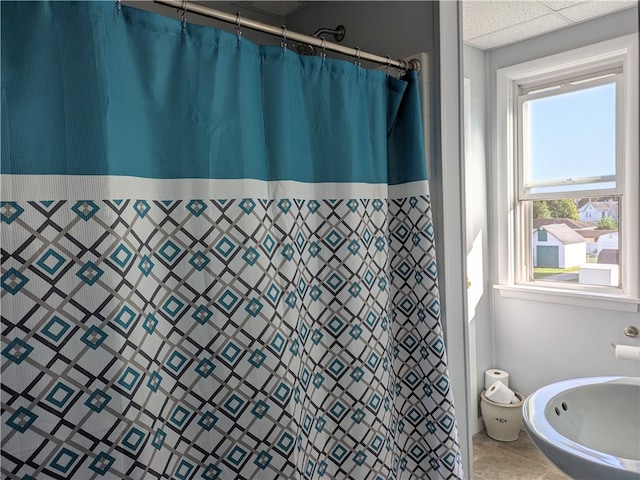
pixel 605 301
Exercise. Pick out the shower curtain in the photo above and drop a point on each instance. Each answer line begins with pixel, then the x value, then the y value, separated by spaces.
pixel 217 259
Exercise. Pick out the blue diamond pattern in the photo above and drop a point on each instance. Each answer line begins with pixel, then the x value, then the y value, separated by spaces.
pixel 263 459
pixel 22 419
pixel 225 247
pixel 158 438
pixel 176 361
pixel 102 463
pixel 60 395
pixel 145 265
pixel 202 315
pixel 184 470
pixel 247 205
pixel 12 281
pixel 142 208
pixel 51 261
pixel 169 251
pixel 180 415
pixel 253 307
pixel 155 379
pixel 227 300
pixel 211 472
pixel 85 209
pixel 237 455
pixel 207 421
pixel 17 350
pixel 98 401
pixel 94 337
pixel 64 460
pixel 260 409
pixel 205 367
pixel 90 273
pixel 56 328
pixel 251 256
pixel 196 207
pixel 121 256
pixel 129 378
pixel 133 439
pixel 9 211
pixel 199 261
pixel 150 323
pixel 125 317
pixel 172 306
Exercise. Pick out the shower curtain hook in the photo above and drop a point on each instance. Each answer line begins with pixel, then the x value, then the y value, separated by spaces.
pixel 184 12
pixel 238 31
pixel 283 43
pixel 405 67
pixel 323 54
pixel 358 62
pixel 386 70
pixel 119 6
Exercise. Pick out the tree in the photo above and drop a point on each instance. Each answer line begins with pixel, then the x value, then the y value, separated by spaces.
pixel 541 209
pixel 563 208
pixel 606 223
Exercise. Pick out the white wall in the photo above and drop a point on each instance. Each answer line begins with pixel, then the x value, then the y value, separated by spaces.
pixel 540 343
pixel 481 345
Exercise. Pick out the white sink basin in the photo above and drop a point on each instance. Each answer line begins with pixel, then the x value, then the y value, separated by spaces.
pixel 588 427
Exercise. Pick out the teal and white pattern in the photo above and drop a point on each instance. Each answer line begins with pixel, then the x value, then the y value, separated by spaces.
pixel 228 338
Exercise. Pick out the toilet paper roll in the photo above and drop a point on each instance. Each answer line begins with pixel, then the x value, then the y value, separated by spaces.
pixel 627 352
pixel 495 375
pixel 500 393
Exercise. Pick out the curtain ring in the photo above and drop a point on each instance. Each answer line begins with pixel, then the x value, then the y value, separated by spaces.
pixel 238 31
pixel 358 62
pixel 388 65
pixel 283 43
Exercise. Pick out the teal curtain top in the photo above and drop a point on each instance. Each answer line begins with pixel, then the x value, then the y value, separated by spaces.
pixel 88 90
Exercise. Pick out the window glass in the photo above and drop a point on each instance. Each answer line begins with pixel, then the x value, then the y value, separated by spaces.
pixel 576 241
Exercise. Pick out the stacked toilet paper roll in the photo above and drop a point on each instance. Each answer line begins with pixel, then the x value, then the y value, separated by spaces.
pixel 498 392
pixel 494 375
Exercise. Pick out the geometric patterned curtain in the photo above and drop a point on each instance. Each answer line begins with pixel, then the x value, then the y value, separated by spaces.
pixel 212 316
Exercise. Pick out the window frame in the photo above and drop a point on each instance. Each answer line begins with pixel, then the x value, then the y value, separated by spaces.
pixel 510 252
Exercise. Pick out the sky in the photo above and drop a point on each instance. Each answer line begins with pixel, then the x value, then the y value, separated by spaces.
pixel 573 134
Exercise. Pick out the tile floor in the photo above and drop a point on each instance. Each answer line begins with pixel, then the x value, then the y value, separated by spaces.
pixel 519 460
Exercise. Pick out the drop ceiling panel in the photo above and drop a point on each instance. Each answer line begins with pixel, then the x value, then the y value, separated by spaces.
pixel 586 10
pixel 483 17
pixel 489 24
pixel 531 28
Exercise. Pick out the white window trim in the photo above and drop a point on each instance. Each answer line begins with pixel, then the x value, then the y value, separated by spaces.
pixel 505 182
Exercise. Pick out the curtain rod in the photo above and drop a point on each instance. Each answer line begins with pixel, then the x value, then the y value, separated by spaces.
pixel 185 6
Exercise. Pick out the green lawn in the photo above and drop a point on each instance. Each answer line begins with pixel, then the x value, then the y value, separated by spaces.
pixel 542 272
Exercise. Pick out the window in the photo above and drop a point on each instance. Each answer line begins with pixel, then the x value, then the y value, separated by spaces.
pixel 568 147
pixel 567 173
